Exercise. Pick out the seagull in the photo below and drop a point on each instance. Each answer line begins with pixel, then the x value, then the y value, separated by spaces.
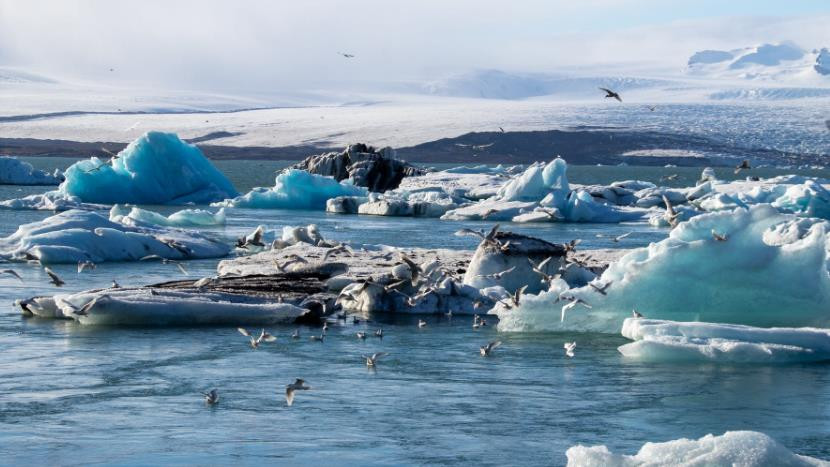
pixel 338 249
pixel 514 299
pixel 570 247
pixel 620 237
pixel 422 323
pixel 371 359
pixel 211 397
pixel 414 269
pixel 84 310
pixel 670 178
pixel 482 146
pixel 570 306
pixel 53 278
pixel 295 334
pixel 502 129
pixel 718 237
pixel 255 240
pixel 297 385
pixel 12 272
pixel 263 337
pixel 610 93
pixel 486 349
pixel 489 213
pixel 115 285
pixel 163 261
pixel 496 275
pixel 599 289
pixel 361 335
pixel 743 165
pixel 636 314
pixel 650 107
pixel 346 55
pixel 670 215
pixel 379 333
pixel 551 213
pixel 569 348
pixel 85 265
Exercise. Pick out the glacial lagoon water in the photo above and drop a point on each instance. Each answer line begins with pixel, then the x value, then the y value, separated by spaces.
pixel 75 395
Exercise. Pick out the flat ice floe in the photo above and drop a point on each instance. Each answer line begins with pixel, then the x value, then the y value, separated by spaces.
pixel 50 201
pixel 770 269
pixel 75 235
pixel 670 341
pixel 733 448
pixel 184 218
pixel 16 172
pixel 295 189
pixel 162 307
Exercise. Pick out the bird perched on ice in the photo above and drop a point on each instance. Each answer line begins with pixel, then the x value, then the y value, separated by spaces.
pixel 636 314
pixel 485 350
pixel 371 360
pixel 263 337
pixel 211 397
pixel 82 265
pixel 12 272
pixel 569 348
pixel 297 385
pixel 53 278
pixel 744 165
pixel 610 93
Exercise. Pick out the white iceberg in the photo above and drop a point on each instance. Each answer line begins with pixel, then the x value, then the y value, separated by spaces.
pixel 184 218
pixel 670 341
pixel 16 172
pixel 733 448
pixel 50 201
pixel 770 271
pixel 295 189
pixel 465 184
pixel 75 235
pixel 156 168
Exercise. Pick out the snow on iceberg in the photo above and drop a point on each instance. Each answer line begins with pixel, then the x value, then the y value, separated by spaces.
pixel 184 218
pixel 295 189
pixel 670 341
pixel 50 201
pixel 733 448
pixel 75 235
pixel 156 168
pixel 16 172
pixel 772 270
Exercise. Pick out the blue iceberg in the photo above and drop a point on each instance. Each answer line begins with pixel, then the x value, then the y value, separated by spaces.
pixel 156 168
pixel 295 189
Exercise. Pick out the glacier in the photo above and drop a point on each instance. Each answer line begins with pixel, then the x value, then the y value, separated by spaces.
pixel 13 171
pixel 185 218
pixel 735 448
pixel 295 189
pixel 76 235
pixel 771 270
pixel 156 168
pixel 670 341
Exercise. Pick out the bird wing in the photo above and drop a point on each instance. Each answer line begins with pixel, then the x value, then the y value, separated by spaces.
pixel 377 355
pixel 607 90
pixel 244 332
pixel 492 234
pixel 182 269
pixel 289 395
pixel 493 345
pixel 52 275
pixel 617 96
pixel 13 273
pixel 149 257
pixel 623 236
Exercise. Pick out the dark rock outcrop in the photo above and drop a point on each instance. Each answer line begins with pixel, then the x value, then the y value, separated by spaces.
pixel 376 169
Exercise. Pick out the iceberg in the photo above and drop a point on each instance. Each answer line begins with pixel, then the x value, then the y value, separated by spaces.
pixel 50 201
pixel 13 171
pixel 295 189
pixel 184 218
pixel 156 168
pixel 670 341
pixel 771 270
pixel 76 235
pixel 733 448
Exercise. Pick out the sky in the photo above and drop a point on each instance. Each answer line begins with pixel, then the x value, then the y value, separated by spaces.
pixel 258 46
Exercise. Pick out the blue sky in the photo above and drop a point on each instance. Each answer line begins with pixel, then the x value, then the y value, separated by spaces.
pixel 259 44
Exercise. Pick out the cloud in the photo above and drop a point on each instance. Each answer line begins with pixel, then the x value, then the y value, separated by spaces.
pixel 262 46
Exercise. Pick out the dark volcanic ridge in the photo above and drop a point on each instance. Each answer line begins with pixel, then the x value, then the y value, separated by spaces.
pixel 579 146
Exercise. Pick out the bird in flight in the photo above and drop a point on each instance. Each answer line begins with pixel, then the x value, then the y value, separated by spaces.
pixel 297 385
pixel 344 54
pixel 371 360
pixel 743 165
pixel 255 341
pixel 211 397
pixel 53 278
pixel 610 93
pixel 12 272
pixel 486 349
pixel 569 348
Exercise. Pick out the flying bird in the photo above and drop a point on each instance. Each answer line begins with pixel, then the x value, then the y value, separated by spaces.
pixel 338 249
pixel 502 129
pixel 379 333
pixel 53 278
pixel 422 323
pixel 610 93
pixel 670 178
pixel 12 272
pixel 670 215
pixel 651 108
pixel 211 397
pixel 486 349
pixel 718 237
pixel 164 261
pixel 496 275
pixel 82 265
pixel 263 337
pixel 744 165
pixel 600 289
pixel 570 306
pixel 371 360
pixel 297 385
pixel 346 55
pixel 569 348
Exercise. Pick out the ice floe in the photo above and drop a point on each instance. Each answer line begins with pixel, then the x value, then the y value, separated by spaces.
pixel 184 218
pixel 733 448
pixel 670 341
pixel 295 189
pixel 76 235
pixel 50 201
pixel 13 171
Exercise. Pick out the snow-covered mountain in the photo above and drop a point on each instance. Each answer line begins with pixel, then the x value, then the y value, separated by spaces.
pixel 783 63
